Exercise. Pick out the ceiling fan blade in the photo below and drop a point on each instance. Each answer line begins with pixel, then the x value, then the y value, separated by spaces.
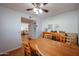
pixel 45 10
pixel 45 3
pixel 29 9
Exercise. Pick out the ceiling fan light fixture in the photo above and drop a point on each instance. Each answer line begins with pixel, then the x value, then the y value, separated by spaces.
pixel 40 11
pixel 38 8
pixel 36 12
pixel 35 9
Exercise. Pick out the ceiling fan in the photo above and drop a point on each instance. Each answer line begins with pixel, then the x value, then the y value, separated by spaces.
pixel 38 8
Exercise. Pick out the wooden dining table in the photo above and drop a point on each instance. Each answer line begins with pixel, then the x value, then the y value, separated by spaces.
pixel 47 47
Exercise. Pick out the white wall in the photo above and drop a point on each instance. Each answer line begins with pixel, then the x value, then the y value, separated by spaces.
pixel 10 27
pixel 67 22
pixel 39 27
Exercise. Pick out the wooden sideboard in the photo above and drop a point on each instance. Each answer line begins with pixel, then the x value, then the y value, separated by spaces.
pixel 54 36
pixel 69 38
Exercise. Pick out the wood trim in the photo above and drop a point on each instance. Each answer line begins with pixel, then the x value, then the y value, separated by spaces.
pixel 10 50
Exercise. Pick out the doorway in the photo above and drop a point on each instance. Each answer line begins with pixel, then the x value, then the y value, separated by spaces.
pixel 28 28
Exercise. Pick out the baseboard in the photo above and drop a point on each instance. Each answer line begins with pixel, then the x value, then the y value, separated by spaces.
pixel 10 50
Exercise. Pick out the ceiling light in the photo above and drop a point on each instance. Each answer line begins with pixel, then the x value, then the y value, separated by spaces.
pixel 40 11
pixel 35 9
pixel 36 12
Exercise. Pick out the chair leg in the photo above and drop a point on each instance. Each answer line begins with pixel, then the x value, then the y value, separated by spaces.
pixel 24 52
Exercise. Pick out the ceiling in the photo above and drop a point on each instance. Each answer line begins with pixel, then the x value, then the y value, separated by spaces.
pixel 54 8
